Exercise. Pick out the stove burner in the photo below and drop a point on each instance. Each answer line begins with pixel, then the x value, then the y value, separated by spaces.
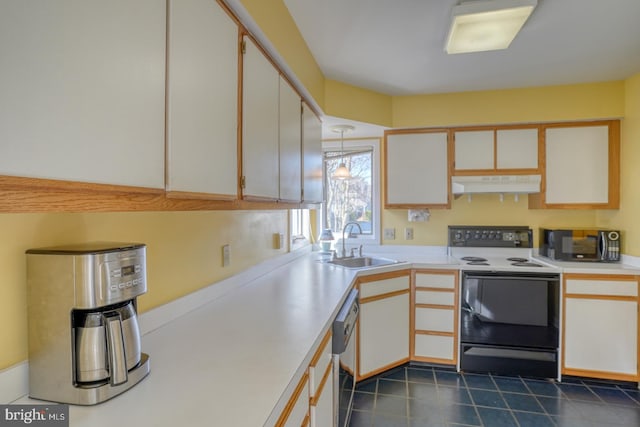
pixel 517 259
pixel 526 264
pixel 477 263
pixel 474 259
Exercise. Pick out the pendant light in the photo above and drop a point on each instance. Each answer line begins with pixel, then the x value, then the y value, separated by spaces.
pixel 342 172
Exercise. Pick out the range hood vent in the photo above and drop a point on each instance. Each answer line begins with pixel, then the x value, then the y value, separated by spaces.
pixel 519 184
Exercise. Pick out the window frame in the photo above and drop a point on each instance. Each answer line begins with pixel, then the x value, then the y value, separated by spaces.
pixel 353 145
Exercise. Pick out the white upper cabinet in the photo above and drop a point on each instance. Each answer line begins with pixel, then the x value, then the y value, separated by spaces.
pixel 290 132
pixel 202 108
pixel 517 149
pixel 312 156
pixel 474 150
pixel 260 123
pixel 82 87
pixel 578 165
pixel 496 150
pixel 416 169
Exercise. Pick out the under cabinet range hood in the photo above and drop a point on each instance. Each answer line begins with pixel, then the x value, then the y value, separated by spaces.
pixel 518 184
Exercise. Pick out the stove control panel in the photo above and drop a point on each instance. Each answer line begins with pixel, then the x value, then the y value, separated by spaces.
pixel 490 236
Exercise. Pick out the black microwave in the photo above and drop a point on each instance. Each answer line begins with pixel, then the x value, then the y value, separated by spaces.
pixel 580 245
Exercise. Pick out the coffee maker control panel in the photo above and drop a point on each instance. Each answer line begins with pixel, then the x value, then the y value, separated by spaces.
pixel 123 279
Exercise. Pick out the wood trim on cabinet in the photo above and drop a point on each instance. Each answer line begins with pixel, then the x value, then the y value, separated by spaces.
pixel 382 276
pixel 318 354
pixel 383 296
pixel 601 297
pixel 366 375
pixel 189 195
pixel 436 306
pixel 313 401
pixel 292 401
pixel 31 195
pixel 437 333
pixel 599 374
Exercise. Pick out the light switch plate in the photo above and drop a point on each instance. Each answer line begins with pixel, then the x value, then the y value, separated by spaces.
pixel 389 234
pixel 408 233
pixel 226 256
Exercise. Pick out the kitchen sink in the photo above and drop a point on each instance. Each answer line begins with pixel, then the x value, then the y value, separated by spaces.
pixel 362 262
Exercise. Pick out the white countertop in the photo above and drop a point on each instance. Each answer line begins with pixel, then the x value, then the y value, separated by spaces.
pixel 591 267
pixel 235 360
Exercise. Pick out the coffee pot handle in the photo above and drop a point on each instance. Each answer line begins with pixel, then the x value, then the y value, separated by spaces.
pixel 115 349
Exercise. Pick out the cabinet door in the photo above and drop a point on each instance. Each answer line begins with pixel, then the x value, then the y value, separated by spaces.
pixel 321 406
pixel 202 108
pixel 290 149
pixel 601 336
pixel 601 327
pixel 517 149
pixel 577 165
pixel 474 150
pixel 82 87
pixel 312 166
pixel 260 122
pixel 384 334
pixel 416 170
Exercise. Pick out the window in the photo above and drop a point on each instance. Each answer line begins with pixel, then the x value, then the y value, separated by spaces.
pixel 299 228
pixel 355 199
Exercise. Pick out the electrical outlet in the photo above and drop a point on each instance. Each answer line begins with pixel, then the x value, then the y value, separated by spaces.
pixel 389 234
pixel 278 240
pixel 226 256
pixel 408 233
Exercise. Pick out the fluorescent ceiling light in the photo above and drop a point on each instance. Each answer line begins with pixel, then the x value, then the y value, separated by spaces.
pixel 481 25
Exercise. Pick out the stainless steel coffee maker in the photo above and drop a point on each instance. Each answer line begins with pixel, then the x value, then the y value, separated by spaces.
pixel 84 338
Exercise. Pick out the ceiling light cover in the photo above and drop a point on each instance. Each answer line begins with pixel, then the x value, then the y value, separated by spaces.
pixel 483 25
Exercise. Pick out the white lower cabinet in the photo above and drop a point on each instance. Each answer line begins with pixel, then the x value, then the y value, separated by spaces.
pixel 600 338
pixel 434 328
pixel 383 327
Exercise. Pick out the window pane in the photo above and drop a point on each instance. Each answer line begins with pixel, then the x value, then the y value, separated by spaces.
pixel 350 199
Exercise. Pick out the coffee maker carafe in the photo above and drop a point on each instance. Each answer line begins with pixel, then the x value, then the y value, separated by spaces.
pixel 84 338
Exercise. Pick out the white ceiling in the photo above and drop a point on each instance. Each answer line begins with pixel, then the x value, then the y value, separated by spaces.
pixel 396 47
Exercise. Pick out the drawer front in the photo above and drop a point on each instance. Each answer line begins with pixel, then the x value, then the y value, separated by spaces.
pixel 602 287
pixel 447 281
pixel 434 297
pixel 434 319
pixel 317 370
pixel 435 346
pixel 384 286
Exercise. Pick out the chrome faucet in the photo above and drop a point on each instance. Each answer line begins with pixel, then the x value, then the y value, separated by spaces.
pixel 344 230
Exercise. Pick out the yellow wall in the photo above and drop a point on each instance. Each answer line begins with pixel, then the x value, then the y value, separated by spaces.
pixel 551 103
pixel 484 209
pixel 184 253
pixel 354 103
pixel 627 218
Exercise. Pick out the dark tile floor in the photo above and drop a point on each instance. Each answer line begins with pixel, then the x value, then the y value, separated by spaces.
pixel 412 396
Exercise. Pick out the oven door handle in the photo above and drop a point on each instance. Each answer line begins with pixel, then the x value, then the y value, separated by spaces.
pixel 501 277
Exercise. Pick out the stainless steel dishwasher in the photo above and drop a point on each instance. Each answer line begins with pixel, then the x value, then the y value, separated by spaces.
pixel 344 359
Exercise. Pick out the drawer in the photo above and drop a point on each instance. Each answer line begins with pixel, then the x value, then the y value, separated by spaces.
pixel 435 297
pixel 602 287
pixel 319 364
pixel 447 281
pixel 434 346
pixel 434 319
pixel 384 286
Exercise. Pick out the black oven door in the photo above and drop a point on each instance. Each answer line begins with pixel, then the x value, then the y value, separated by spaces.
pixel 509 323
